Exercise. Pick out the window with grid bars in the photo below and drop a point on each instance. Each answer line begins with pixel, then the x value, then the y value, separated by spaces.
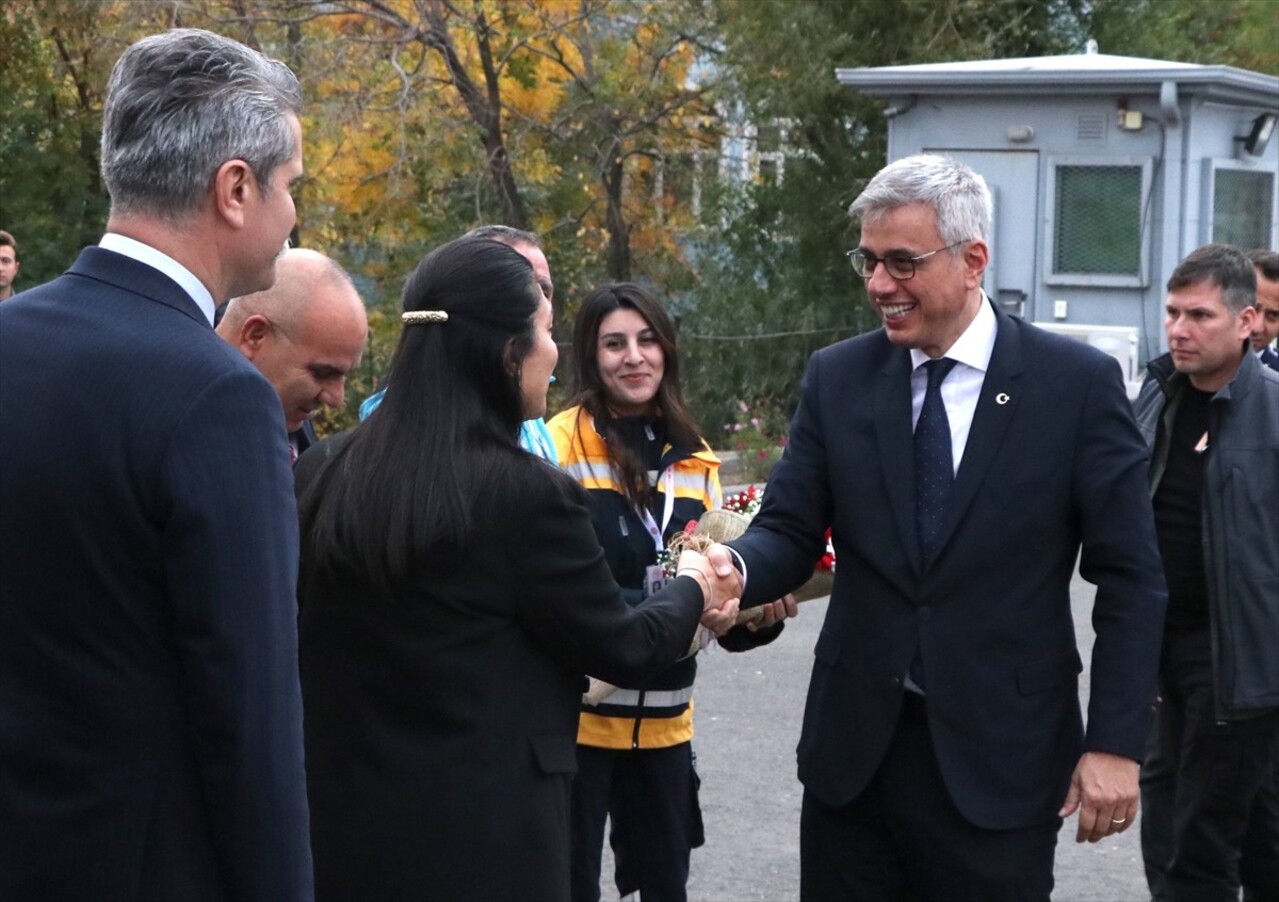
pixel 1242 202
pixel 1097 220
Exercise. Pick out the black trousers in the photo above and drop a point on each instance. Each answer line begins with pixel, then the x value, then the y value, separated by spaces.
pixel 903 838
pixel 650 795
pixel 1200 785
pixel 1259 863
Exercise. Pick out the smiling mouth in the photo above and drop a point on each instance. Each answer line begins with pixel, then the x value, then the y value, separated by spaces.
pixel 895 311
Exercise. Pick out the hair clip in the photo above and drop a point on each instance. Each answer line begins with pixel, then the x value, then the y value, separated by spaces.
pixel 417 317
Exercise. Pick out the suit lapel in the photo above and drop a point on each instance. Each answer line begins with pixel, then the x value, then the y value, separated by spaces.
pixel 996 407
pixel 896 447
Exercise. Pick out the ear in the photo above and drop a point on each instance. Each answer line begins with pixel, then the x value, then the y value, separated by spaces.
pixel 1248 321
pixel 254 333
pixel 509 363
pixel 976 258
pixel 231 186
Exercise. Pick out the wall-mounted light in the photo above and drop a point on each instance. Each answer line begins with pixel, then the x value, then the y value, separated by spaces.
pixel 1020 134
pixel 1128 120
pixel 1262 128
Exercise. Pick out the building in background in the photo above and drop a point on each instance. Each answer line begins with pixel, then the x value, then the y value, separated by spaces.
pixel 1106 171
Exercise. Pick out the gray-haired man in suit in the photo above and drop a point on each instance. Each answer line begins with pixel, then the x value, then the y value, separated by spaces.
pixel 150 713
pixel 962 459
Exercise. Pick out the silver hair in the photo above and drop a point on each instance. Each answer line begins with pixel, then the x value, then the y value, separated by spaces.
pixel 505 235
pixel 957 195
pixel 182 103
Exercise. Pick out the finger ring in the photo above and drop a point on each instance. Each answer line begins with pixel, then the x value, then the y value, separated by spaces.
pixel 1122 820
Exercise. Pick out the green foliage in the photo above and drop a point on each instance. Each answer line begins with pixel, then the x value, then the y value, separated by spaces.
pixel 51 197
pixel 1243 33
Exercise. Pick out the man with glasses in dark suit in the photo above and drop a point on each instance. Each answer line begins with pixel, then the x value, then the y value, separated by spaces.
pixel 962 459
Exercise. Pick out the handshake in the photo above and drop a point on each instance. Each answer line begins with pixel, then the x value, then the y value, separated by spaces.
pixel 722 590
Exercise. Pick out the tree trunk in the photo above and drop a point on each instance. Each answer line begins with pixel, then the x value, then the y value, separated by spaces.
pixel 619 234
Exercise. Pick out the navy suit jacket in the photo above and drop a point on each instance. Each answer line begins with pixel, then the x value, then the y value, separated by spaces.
pixel 1270 358
pixel 150 712
pixel 1053 461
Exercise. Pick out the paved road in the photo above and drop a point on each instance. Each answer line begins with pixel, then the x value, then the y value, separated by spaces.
pixel 748 716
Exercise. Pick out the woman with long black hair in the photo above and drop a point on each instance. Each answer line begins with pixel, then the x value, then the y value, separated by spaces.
pixel 452 597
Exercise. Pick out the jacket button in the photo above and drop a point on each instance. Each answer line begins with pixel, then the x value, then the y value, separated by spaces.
pixel 925 614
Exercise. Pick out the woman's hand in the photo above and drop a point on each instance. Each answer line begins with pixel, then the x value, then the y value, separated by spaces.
pixel 720 593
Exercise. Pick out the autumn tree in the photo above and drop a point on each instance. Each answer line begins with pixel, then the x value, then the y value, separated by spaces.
pixel 620 130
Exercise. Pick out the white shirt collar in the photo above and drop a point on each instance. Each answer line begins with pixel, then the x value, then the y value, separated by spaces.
pixel 974 346
pixel 155 259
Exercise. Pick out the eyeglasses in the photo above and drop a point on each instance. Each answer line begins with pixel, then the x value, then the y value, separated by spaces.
pixel 900 266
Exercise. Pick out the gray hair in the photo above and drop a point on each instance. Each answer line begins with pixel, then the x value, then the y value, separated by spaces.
pixel 182 103
pixel 957 195
pixel 1224 266
pixel 505 235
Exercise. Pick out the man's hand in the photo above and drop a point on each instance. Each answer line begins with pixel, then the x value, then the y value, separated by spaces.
pixel 721 561
pixel 774 612
pixel 1104 791
pixel 720 594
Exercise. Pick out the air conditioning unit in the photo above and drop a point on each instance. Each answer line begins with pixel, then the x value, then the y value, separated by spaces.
pixel 1120 342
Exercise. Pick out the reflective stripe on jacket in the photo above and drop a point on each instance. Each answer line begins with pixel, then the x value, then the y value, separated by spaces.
pixel 658 714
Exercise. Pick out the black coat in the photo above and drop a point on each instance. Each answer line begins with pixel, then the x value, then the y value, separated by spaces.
pixel 441 726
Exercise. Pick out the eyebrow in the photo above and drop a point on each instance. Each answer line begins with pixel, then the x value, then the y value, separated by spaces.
pixel 891 252
pixel 642 333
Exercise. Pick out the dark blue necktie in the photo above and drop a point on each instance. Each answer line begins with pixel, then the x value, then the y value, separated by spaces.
pixel 934 464
pixel 934 475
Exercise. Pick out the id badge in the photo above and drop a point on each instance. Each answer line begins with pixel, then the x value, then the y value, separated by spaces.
pixel 655 579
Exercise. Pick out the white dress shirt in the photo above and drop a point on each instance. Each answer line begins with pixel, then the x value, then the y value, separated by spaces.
pixel 962 387
pixel 153 258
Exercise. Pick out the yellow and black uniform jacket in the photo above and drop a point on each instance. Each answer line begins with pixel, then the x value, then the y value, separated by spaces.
pixel 657 714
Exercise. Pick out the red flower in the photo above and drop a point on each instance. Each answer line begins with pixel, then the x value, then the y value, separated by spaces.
pixel 827 560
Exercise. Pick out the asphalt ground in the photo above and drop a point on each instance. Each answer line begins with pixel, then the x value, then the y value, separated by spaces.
pixel 749 708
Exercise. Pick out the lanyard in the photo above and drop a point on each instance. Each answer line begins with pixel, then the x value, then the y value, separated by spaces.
pixel 668 508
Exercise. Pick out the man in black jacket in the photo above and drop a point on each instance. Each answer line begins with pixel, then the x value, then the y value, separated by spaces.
pixel 1210 412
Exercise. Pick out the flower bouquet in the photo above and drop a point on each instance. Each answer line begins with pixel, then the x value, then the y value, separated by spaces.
pixel 724 525
pixel 746 503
